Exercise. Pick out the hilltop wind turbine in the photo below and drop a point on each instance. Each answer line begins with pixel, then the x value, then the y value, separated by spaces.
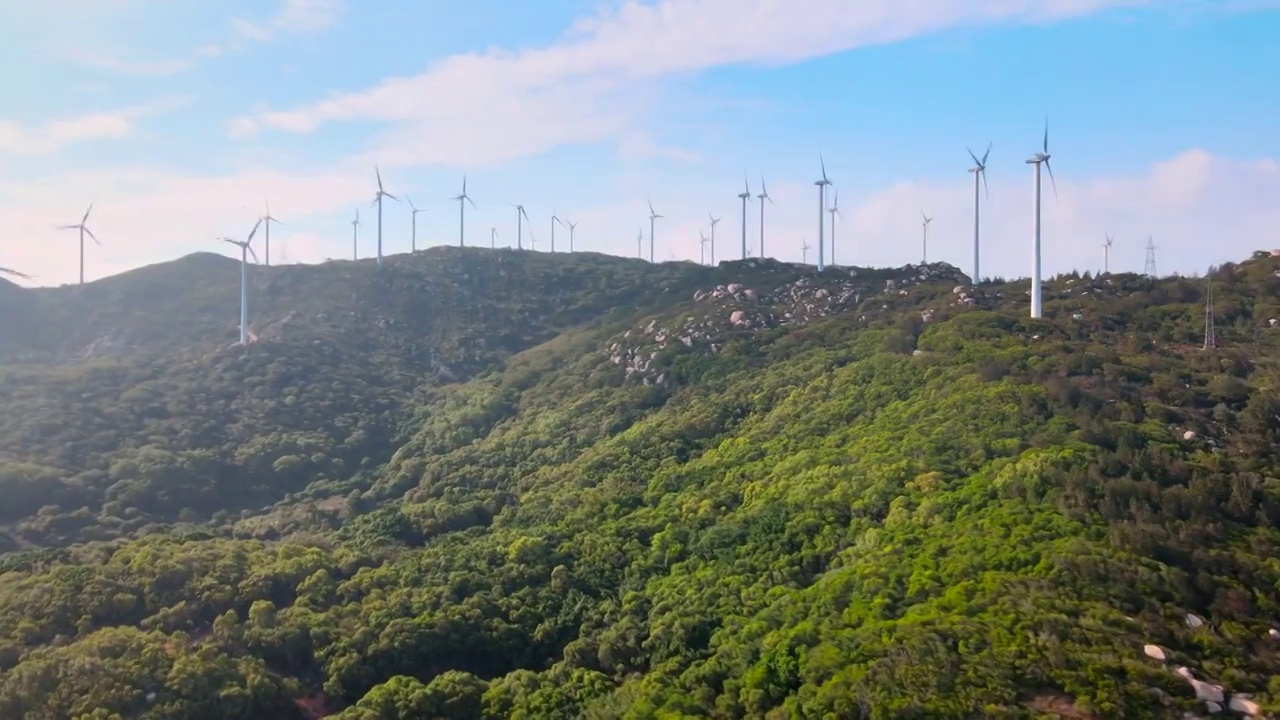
pixel 246 249
pixel 702 247
pixel 1106 254
pixel 640 244
pixel 84 230
pixel 822 207
pixel 463 199
pixel 652 217
pixel 745 196
pixel 377 200
pixel 804 251
pixel 572 227
pixel 979 170
pixel 714 221
pixel 924 243
pixel 413 232
pixel 521 216
pixel 764 195
pixel 493 238
pixel 355 236
pixel 266 240
pixel 835 211
pixel 1036 160
pixel 555 220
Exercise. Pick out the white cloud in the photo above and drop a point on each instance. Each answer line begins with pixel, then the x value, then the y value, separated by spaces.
pixel 293 17
pixel 54 135
pixel 599 82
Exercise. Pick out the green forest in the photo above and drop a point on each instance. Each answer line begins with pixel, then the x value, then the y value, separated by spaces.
pixel 498 484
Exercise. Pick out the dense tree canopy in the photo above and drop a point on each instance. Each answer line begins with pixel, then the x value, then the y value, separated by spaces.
pixel 671 491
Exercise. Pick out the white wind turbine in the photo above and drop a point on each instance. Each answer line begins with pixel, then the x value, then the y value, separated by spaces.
pixel 702 247
pixel 246 249
pixel 804 251
pixel 493 238
pixel 555 220
pixel 413 228
pixel 764 195
pixel 573 226
pixel 924 243
pixel 640 244
pixel 652 217
pixel 377 200
pixel 463 199
pixel 714 221
pixel 835 211
pixel 1036 160
pixel 1106 254
pixel 355 236
pixel 822 207
pixel 266 239
pixel 745 196
pixel 979 170
pixel 521 216
pixel 84 230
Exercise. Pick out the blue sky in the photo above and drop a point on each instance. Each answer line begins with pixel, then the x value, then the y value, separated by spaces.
pixel 179 118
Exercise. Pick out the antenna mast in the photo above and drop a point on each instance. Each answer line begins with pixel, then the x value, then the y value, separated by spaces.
pixel 1150 269
pixel 1210 334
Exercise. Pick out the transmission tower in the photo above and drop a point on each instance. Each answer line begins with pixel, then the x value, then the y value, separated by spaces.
pixel 1150 270
pixel 1210 334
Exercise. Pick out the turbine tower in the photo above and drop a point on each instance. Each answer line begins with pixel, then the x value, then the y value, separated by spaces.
pixel 822 208
pixel 463 199
pixel 835 212
pixel 355 236
pixel 84 230
pixel 924 243
pixel 266 240
pixel 764 195
pixel 1036 160
pixel 702 247
pixel 246 250
pixel 745 196
pixel 652 217
pixel 377 200
pixel 493 238
pixel 572 227
pixel 979 170
pixel 714 221
pixel 555 220
pixel 521 216
pixel 804 251
pixel 413 232
pixel 1106 254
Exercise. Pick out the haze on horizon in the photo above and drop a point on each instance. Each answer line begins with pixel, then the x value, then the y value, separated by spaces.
pixel 179 119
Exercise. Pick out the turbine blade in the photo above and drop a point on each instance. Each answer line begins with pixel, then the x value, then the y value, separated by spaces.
pixel 252 254
pixel 824 167
pixel 89 232
pixel 985 188
pixel 393 197
pixel 473 202
pixel 985 155
pixel 1046 134
pixel 464 183
pixel 85 219
pixel 379 174
pixel 1052 182
pixel 15 273
pixel 68 227
pixel 976 161
pixel 253 232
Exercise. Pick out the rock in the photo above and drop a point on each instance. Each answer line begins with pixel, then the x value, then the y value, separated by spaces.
pixel 1189 435
pixel 749 294
pixel 734 288
pixel 1274 633
pixel 957 290
pixel 1155 652
pixel 1243 704
pixel 737 317
pixel 1194 621
pixel 1213 708
pixel 1207 692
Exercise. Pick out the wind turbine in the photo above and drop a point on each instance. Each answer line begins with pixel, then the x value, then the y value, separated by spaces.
pixel 413 232
pixel 834 210
pixel 822 207
pixel 355 236
pixel 555 220
pixel 764 195
pixel 652 217
pixel 377 200
pixel 745 196
pixel 246 250
pixel 463 199
pixel 84 230
pixel 1036 160
pixel 804 251
pixel 979 170
pixel 493 238
pixel 521 216
pixel 572 226
pixel 702 247
pixel 640 244
pixel 266 240
pixel 924 247
pixel 1106 254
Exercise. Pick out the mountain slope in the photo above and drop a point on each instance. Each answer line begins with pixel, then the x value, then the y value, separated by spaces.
pixel 833 500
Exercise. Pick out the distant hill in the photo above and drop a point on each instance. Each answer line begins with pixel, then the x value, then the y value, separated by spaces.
pixel 496 484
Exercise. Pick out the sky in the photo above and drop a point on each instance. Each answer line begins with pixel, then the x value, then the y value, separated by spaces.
pixel 179 120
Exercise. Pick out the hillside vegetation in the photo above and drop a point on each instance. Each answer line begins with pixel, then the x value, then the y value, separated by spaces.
pixel 608 489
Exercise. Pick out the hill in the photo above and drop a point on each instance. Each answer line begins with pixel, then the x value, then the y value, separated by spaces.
pixel 748 491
